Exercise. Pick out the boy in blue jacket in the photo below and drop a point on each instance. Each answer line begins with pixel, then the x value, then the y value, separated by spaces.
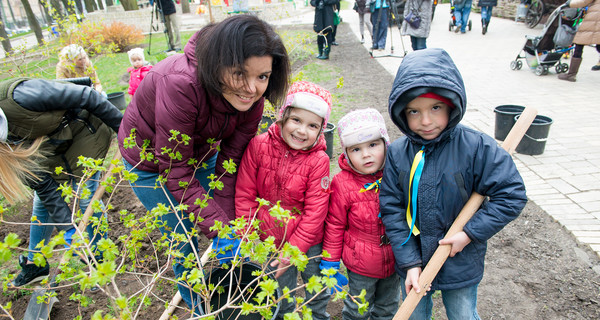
pixel 430 174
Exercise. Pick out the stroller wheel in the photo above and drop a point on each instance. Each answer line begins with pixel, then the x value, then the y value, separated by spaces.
pixel 539 70
pixel 513 65
pixel 558 68
pixel 545 72
pixel 564 67
pixel 519 64
pixel 470 25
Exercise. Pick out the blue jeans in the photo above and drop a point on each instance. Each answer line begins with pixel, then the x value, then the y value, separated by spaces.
pixel 460 304
pixel 418 43
pixel 486 13
pixel 383 296
pixel 462 15
pixel 37 233
pixel 319 303
pixel 379 29
pixel 175 221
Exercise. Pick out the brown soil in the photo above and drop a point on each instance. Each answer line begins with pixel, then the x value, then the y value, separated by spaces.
pixel 535 269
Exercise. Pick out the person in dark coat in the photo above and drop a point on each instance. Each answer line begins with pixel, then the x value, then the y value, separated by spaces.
pixel 65 121
pixel 323 25
pixel 213 94
pixel 169 12
pixel 486 13
pixel 428 177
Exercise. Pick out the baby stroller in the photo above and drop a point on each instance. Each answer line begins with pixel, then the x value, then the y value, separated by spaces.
pixel 452 22
pixel 545 51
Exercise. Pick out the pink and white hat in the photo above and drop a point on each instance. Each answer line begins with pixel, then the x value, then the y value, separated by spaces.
pixel 361 126
pixel 309 96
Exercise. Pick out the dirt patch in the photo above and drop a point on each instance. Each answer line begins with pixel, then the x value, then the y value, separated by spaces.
pixel 535 269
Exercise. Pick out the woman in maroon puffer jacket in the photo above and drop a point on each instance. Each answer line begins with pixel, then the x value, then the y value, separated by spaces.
pixel 215 91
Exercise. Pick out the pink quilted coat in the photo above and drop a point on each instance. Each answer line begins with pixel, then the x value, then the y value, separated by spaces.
pixel 271 170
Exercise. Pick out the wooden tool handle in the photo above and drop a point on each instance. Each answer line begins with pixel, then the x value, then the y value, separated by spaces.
pixel 442 252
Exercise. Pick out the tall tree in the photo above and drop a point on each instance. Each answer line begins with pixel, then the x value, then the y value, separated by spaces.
pixel 90 5
pixel 33 22
pixel 129 5
pixel 69 5
pixel 5 40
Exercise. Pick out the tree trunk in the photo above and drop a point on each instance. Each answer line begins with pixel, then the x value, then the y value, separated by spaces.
pixel 69 6
pixel 130 5
pixel 60 13
pixel 89 5
pixel 33 23
pixel 109 3
pixel 100 5
pixel 185 6
pixel 5 40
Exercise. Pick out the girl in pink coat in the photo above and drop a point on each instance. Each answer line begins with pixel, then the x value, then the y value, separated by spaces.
pixel 288 164
pixel 354 231
pixel 138 70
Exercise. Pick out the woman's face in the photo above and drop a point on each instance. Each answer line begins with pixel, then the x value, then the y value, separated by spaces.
pixel 242 88
pixel 80 61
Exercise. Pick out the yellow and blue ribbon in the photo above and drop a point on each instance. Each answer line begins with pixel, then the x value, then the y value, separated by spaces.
pixel 413 190
pixel 371 186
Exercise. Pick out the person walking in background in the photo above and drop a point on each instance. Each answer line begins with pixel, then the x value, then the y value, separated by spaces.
pixel 169 12
pixel 428 177
pixel 214 91
pixel 323 25
pixel 364 17
pixel 288 165
pixel 462 10
pixel 379 20
pixel 73 62
pixel 354 232
pixel 138 70
pixel 336 20
pixel 66 121
pixel 486 13
pixel 588 33
pixel 418 34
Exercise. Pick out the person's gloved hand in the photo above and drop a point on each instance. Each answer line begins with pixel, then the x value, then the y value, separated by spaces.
pixel 226 248
pixel 341 279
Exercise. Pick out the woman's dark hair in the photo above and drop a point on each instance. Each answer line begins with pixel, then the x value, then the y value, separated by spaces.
pixel 230 42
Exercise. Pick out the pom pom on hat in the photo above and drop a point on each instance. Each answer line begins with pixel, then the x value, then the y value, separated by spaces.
pixel 309 96
pixel 72 51
pixel 3 126
pixel 136 52
pixel 361 126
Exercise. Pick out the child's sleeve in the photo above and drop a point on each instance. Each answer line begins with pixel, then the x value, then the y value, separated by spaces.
pixel 393 214
pixel 336 221
pixel 246 191
pixel 497 177
pixel 312 220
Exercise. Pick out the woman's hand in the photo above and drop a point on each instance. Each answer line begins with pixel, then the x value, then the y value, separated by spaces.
pixel 412 280
pixel 458 242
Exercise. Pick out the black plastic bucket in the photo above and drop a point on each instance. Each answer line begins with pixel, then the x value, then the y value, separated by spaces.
pixel 239 280
pixel 505 119
pixel 328 133
pixel 117 99
pixel 534 141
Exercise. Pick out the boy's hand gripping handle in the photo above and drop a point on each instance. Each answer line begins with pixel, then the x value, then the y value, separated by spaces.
pixel 442 252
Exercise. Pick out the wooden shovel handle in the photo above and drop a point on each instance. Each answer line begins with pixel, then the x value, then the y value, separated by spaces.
pixel 442 252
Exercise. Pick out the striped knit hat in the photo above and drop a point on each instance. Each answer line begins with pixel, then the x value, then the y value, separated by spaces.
pixel 309 96
pixel 361 126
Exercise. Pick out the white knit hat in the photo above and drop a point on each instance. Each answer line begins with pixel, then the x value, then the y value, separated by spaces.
pixel 3 126
pixel 309 96
pixel 136 52
pixel 72 51
pixel 361 126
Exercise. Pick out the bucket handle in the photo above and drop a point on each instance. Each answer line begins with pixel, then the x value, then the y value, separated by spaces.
pixel 535 139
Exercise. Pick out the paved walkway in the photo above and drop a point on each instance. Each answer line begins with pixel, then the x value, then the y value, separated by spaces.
pixel 565 180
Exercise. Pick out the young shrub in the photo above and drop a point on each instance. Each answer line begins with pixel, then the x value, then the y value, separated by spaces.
pixel 122 35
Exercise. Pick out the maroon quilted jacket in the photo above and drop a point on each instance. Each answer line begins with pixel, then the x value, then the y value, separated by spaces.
pixel 353 228
pixel 300 179
pixel 170 98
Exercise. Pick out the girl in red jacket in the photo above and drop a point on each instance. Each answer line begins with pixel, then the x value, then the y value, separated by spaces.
pixel 288 163
pixel 138 70
pixel 354 232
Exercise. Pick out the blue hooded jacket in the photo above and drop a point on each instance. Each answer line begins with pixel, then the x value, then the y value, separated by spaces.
pixel 457 163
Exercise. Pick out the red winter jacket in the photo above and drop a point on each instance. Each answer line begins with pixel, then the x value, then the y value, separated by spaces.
pixel 136 76
pixel 271 170
pixel 170 98
pixel 353 229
